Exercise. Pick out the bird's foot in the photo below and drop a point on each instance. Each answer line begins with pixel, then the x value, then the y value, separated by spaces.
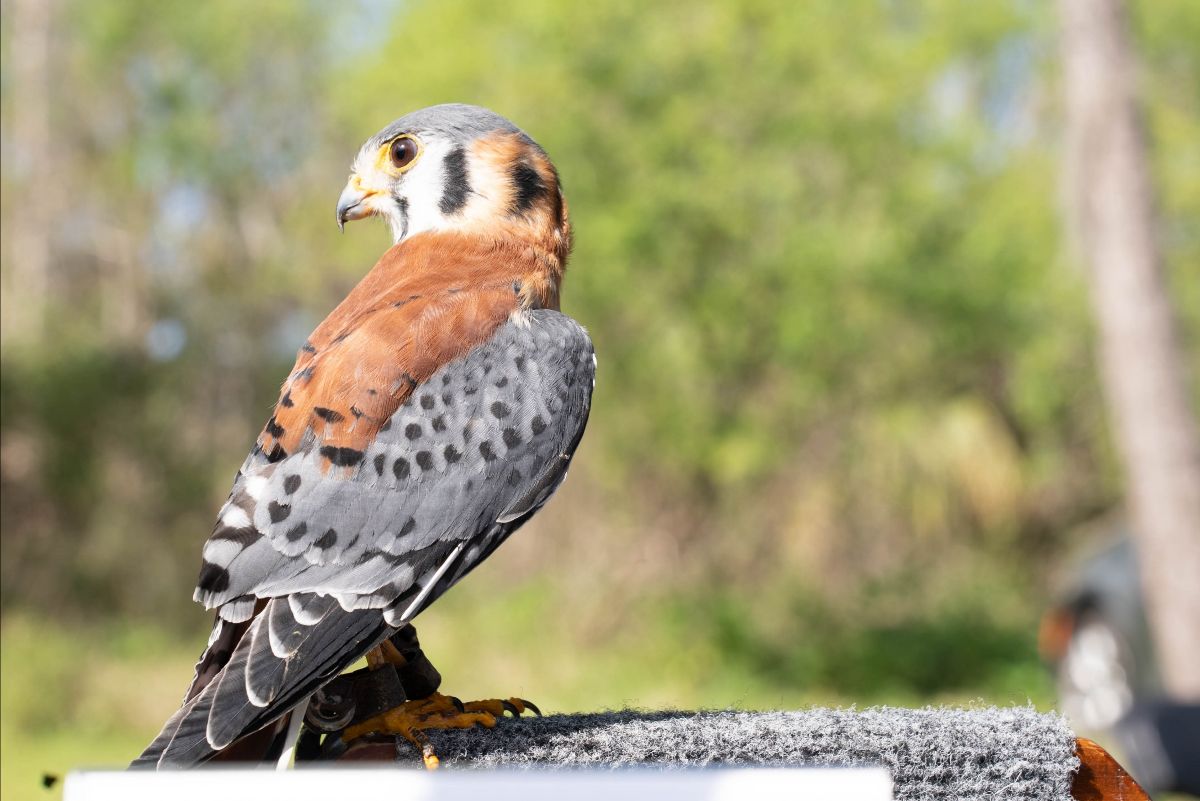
pixel 412 719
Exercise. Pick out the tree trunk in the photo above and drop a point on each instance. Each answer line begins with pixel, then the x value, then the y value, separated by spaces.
pixel 26 279
pixel 1112 210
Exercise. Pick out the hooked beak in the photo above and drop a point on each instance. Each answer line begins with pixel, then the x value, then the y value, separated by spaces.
pixel 354 202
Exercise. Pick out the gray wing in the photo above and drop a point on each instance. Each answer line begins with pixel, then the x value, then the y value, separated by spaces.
pixel 309 568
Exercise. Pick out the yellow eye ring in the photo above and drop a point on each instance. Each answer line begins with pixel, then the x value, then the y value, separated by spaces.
pixel 403 151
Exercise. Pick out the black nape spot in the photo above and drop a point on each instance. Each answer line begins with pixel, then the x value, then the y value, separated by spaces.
pixel 452 454
pixel 327 540
pixel 278 511
pixel 425 460
pixel 413 431
pixel 427 401
pixel 342 457
pixel 537 424
pixel 487 451
pixel 500 409
pixel 213 578
pixel 274 429
pixel 528 187
pixel 511 438
pixel 328 415
pixel 291 484
pixel 458 186
pixel 400 468
pixel 439 423
pixel 297 531
pixel 379 460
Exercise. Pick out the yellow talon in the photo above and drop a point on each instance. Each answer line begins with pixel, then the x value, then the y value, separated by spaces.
pixel 412 719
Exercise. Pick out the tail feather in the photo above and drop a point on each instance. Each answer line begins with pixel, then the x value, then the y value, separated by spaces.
pixel 229 706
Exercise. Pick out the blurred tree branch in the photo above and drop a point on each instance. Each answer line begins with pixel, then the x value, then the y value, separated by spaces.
pixel 1111 204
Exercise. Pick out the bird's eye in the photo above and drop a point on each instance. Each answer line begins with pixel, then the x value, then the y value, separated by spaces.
pixel 403 151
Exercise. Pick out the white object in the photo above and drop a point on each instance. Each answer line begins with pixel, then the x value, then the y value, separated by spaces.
pixel 335 784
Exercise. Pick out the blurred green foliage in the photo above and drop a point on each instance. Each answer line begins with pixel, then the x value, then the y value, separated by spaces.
pixel 846 414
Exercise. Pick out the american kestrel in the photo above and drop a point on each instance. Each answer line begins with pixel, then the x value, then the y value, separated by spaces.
pixel 431 414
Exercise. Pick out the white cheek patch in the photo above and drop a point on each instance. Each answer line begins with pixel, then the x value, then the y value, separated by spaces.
pixel 423 187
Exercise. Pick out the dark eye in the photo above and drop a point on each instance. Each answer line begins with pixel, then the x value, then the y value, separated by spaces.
pixel 403 151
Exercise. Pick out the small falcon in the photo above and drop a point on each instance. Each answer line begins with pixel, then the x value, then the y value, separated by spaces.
pixel 431 414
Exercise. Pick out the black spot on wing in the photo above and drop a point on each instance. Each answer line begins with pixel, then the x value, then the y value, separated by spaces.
pixel 342 457
pixel 274 429
pixel 245 536
pixel 278 511
pixel 511 437
pixel 291 484
pixel 213 578
pixel 328 415
pixel 458 185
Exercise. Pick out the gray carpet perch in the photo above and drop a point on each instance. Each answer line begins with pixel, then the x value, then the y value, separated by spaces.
pixel 933 753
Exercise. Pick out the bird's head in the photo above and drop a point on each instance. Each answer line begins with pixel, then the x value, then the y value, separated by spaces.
pixel 456 168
